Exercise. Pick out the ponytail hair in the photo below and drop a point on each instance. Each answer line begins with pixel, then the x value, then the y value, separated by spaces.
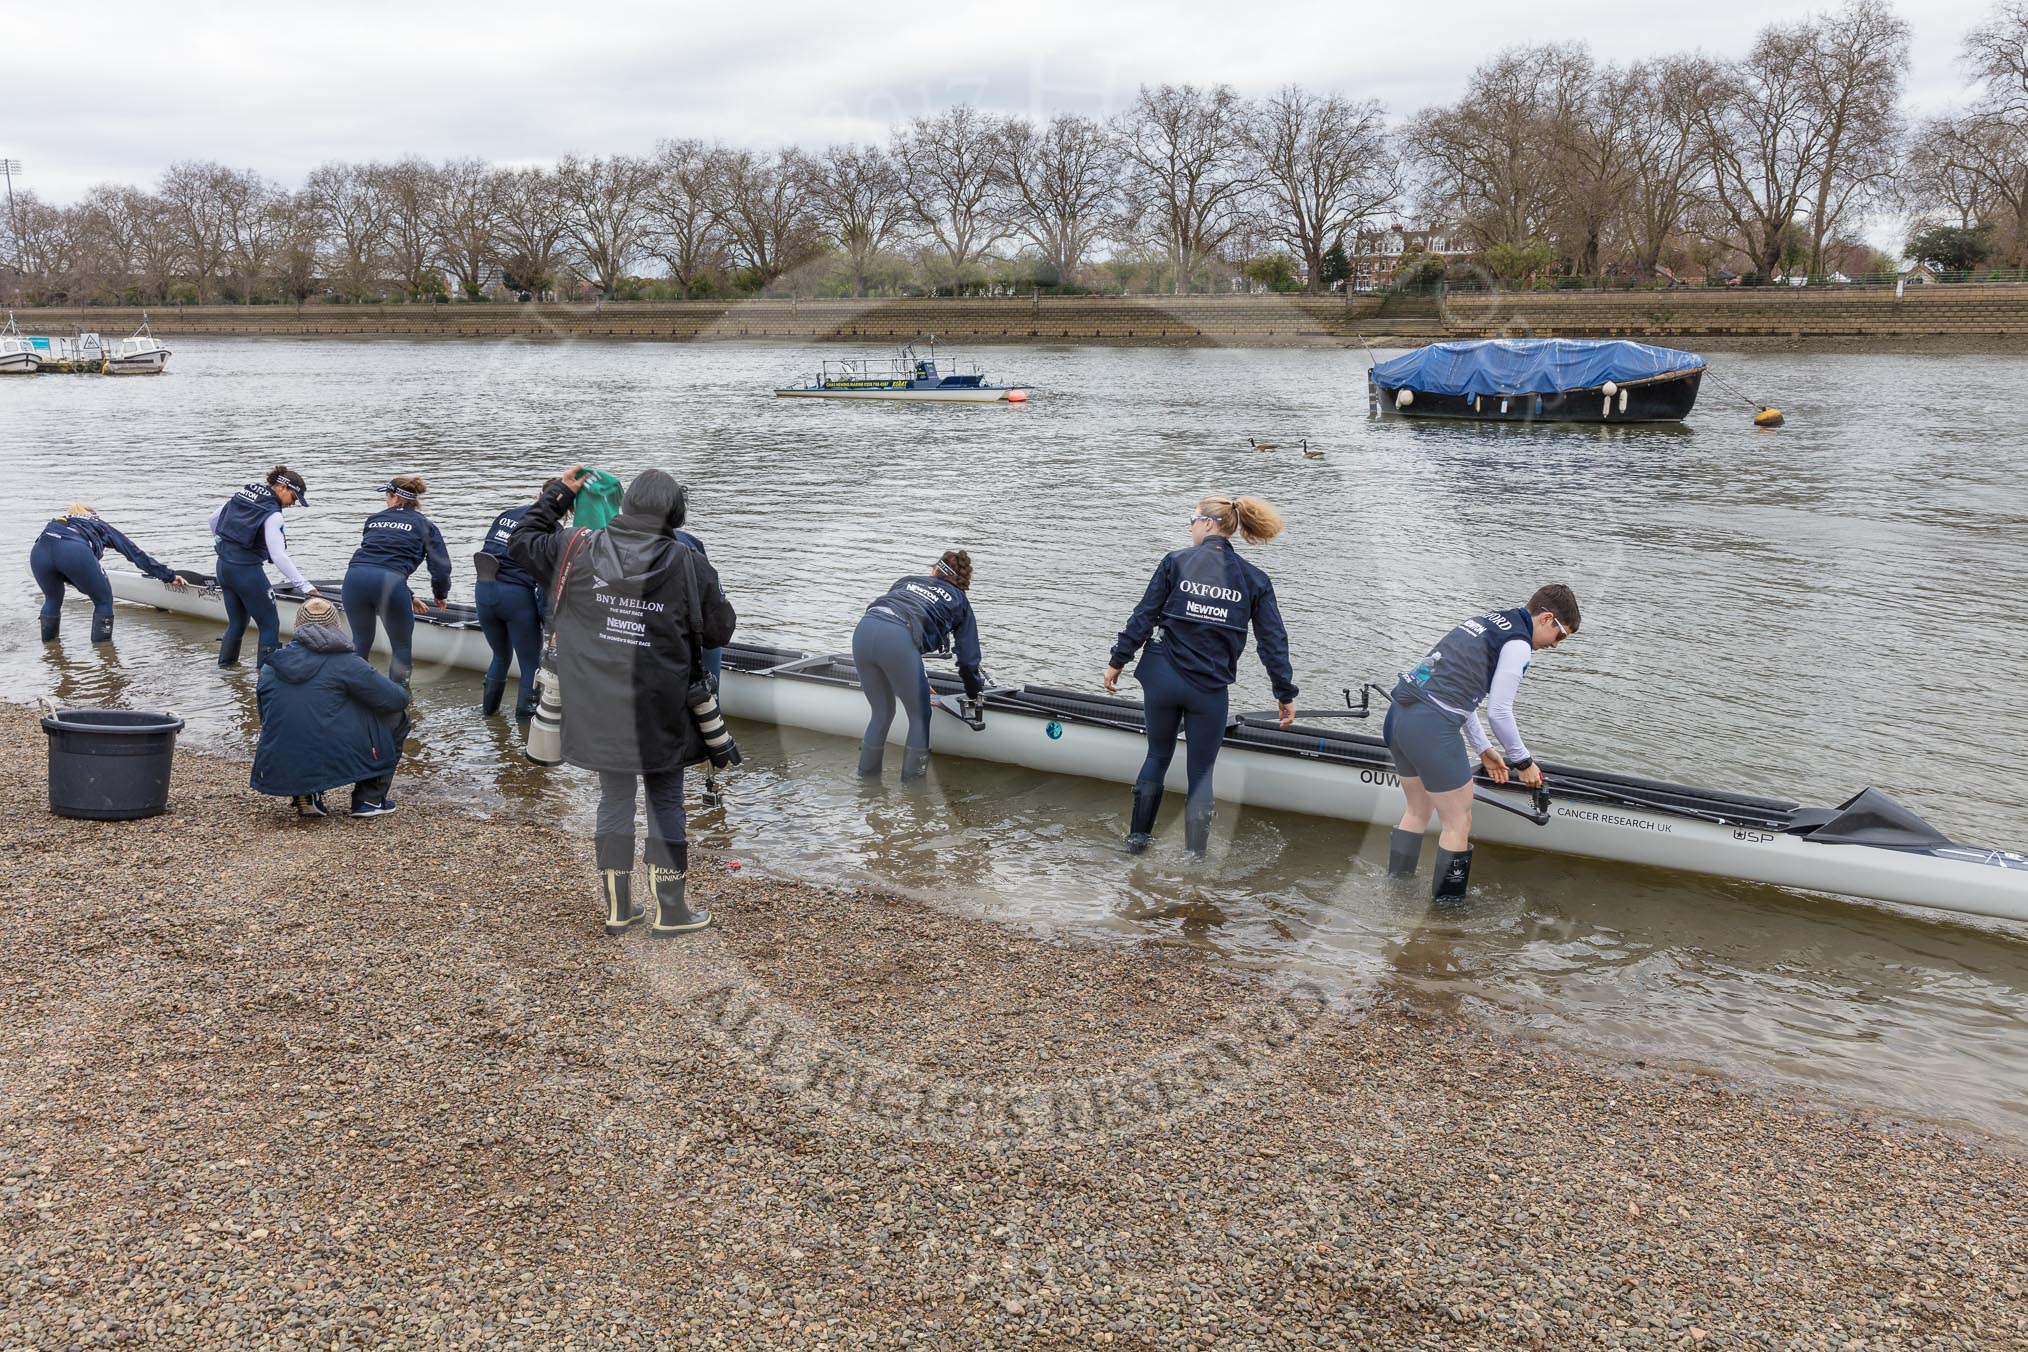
pixel 281 473
pixel 1254 518
pixel 955 567
pixel 406 487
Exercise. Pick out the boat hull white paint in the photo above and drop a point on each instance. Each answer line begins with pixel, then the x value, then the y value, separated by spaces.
pixel 957 396
pixel 1312 787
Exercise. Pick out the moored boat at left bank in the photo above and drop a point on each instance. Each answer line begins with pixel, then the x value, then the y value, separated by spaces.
pixel 80 352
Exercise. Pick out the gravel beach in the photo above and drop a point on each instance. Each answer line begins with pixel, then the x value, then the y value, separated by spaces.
pixel 384 1083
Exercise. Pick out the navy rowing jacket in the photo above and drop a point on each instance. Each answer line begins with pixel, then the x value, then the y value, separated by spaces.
pixel 1458 672
pixel 242 525
pixel 1204 599
pixel 935 610
pixel 399 539
pixel 509 572
pixel 96 535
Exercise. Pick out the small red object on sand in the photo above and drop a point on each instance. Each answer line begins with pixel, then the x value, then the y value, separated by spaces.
pixel 733 864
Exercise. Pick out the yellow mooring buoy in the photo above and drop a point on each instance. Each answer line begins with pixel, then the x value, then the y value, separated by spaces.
pixel 1768 417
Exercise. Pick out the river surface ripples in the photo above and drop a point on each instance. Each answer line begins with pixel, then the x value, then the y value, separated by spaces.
pixel 1798 613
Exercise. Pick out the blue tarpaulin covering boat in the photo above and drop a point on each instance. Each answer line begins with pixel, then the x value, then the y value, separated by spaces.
pixel 1564 379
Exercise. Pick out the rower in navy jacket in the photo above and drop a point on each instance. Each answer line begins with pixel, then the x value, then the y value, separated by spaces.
pixel 512 608
pixel 248 529
pixel 915 616
pixel 68 551
pixel 1481 660
pixel 393 544
pixel 1198 608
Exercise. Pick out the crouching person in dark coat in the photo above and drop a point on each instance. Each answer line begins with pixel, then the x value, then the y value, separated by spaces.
pixel 627 653
pixel 327 718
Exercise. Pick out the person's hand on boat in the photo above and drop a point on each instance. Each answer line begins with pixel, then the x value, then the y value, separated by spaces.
pixel 1111 680
pixel 1495 763
pixel 1530 776
pixel 1286 712
pixel 415 603
pixel 179 582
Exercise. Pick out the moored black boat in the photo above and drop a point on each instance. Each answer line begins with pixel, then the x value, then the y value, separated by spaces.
pixel 1539 380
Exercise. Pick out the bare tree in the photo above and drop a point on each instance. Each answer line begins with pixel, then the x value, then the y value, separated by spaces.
pixel 463 213
pixel 299 252
pixel 1326 163
pixel 1488 163
pixel 605 205
pixel 855 193
pixel 1188 172
pixel 947 175
pixel 1060 186
pixel 531 228
pixel 352 202
pixel 1996 53
pixel 110 222
pixel 191 189
pixel 683 229
pixel 409 187
pixel 1665 151
pixel 1766 143
pixel 767 209
pixel 253 230
pixel 1858 59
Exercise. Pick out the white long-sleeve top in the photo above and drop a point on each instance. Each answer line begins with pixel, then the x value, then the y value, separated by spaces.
pixel 278 549
pixel 1513 665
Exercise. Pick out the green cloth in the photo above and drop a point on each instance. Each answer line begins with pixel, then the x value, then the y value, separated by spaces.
pixel 598 502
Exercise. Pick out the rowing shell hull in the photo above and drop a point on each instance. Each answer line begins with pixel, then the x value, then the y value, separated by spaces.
pixel 1967 880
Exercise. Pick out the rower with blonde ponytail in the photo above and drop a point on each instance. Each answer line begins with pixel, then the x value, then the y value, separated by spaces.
pixel 1194 619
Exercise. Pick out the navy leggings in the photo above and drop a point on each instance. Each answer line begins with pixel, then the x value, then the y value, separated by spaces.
pixel 1171 702
pixel 55 562
pixel 890 668
pixel 374 596
pixel 511 616
pixel 244 588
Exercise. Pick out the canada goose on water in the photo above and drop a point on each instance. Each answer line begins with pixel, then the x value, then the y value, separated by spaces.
pixel 1264 445
pixel 1309 454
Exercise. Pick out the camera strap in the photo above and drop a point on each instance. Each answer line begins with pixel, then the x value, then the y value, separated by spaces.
pixel 562 577
pixel 696 611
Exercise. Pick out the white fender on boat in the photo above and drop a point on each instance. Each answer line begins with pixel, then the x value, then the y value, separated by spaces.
pixel 1623 401
pixel 1403 398
pixel 1609 389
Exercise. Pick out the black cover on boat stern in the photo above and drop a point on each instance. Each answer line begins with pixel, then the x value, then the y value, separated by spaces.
pixel 1868 817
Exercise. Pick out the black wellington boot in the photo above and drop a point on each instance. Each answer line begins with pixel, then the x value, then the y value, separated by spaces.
pixel 102 628
pixel 1147 802
pixel 1453 874
pixel 914 764
pixel 1404 852
pixel 50 624
pixel 261 656
pixel 870 758
pixel 616 892
pixel 672 915
pixel 489 698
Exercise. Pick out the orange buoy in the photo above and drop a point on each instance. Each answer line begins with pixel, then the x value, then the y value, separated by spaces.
pixel 1017 396
pixel 1768 417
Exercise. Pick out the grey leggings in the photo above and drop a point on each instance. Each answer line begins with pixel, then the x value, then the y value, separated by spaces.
pixel 614 842
pixel 890 668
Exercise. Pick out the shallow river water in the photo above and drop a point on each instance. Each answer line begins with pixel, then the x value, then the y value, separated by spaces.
pixel 1798 613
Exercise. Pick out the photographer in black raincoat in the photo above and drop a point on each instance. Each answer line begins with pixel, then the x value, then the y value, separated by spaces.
pixel 627 654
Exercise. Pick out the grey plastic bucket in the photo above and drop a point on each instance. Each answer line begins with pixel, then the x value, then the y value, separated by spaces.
pixel 110 764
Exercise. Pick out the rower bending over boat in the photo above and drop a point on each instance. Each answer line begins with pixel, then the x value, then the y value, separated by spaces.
pixel 248 529
pixel 917 615
pixel 68 552
pixel 509 604
pixel 1480 661
pixel 395 542
pixel 1203 599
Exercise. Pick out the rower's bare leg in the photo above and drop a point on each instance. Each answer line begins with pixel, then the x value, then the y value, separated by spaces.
pixel 1454 811
pixel 1415 818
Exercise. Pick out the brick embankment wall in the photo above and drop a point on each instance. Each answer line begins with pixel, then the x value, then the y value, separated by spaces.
pixel 1963 314
pixel 1924 311
pixel 1136 319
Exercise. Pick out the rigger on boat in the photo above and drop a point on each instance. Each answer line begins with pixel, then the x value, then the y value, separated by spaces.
pixel 1867 847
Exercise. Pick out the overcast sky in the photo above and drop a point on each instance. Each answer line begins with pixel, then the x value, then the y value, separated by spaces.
pixel 118 92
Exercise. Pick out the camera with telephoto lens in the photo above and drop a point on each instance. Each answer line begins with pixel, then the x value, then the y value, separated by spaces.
pixel 718 743
pixel 545 731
